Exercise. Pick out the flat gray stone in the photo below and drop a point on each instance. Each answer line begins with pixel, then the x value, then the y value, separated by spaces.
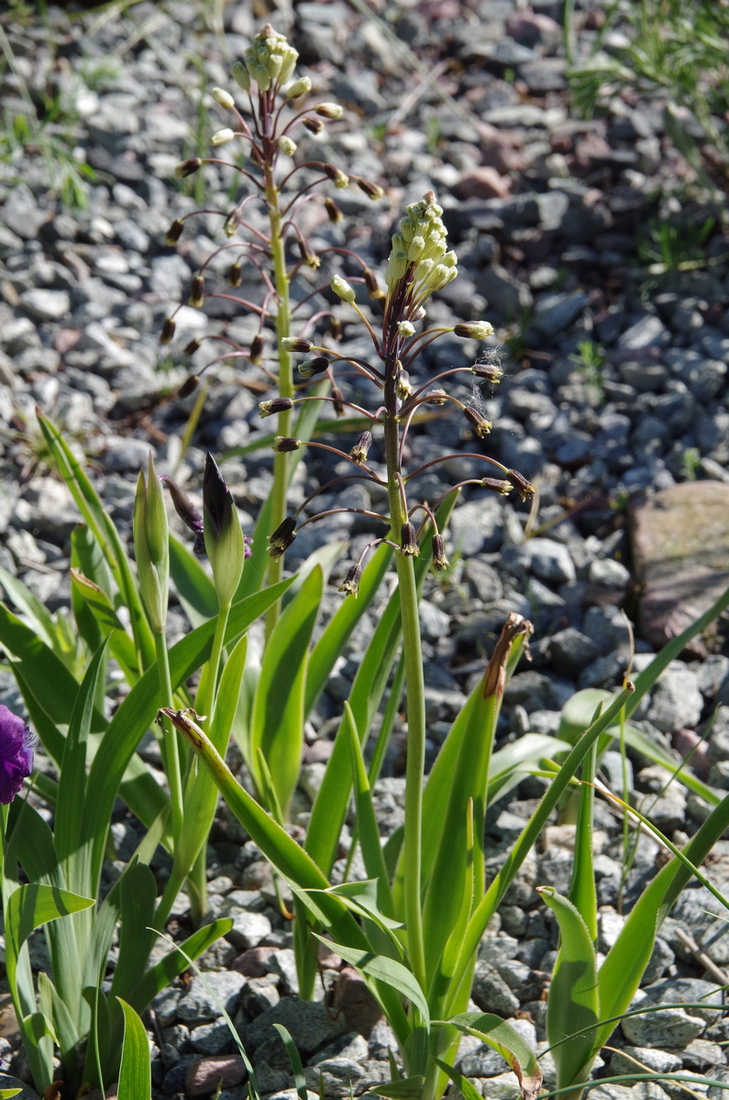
pixel 46 305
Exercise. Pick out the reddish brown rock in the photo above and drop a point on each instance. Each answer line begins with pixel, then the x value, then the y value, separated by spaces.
pixel 680 540
pixel 224 1070
pixel 482 183
pixel 254 962
pixel 353 999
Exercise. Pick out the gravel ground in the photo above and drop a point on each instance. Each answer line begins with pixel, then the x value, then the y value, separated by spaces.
pixel 615 389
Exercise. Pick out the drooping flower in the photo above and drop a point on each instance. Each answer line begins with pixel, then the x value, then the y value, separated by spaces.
pixel 16 754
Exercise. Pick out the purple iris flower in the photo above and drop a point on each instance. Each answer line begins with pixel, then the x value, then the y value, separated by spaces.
pixel 16 754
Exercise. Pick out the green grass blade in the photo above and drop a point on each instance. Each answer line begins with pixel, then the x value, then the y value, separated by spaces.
pixel 573 992
pixel 369 833
pixel 466 1088
pixel 36 613
pixel 583 894
pixel 295 1060
pixel 380 968
pixel 341 625
pixel 137 903
pixel 502 1038
pixel 135 1074
pixel 277 722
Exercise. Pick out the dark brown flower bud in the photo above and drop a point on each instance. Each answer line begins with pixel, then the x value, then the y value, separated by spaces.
pixel 296 343
pixel 256 350
pixel 480 424
pixel 523 487
pixel 191 348
pixel 308 255
pixel 168 331
pixel 338 399
pixel 350 584
pixel 333 212
pixel 188 386
pixel 335 328
pixel 314 125
pixel 283 444
pixel 174 232
pixel 197 291
pixel 497 485
pixel 234 274
pixel 408 541
pixel 282 537
pixel 187 167
pixel 373 287
pixel 276 405
pixel 491 372
pixel 310 367
pixel 361 448
pixel 372 190
pixel 440 561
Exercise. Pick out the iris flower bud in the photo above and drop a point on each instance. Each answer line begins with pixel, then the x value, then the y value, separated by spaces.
pixel 310 367
pixel 223 136
pixel 342 289
pixel 275 405
pixel 151 547
pixel 477 330
pixel 282 537
pixel 222 532
pixel 168 331
pixel 222 97
pixel 408 541
pixel 187 167
pixel 187 512
pixel 174 232
pixel 361 448
pixel 350 584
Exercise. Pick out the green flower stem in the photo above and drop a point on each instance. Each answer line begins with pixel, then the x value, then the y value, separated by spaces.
pixel 170 744
pixel 281 462
pixel 413 658
pixel 205 705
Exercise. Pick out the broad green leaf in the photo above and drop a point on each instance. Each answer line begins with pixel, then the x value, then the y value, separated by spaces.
pixel 367 828
pixel 195 588
pixel 389 971
pixel 295 1060
pixel 516 759
pixel 201 795
pixel 157 977
pixel 334 636
pixel 279 848
pixel 64 1026
pixel 88 595
pixel 72 782
pixel 31 906
pixel 573 992
pixel 406 1088
pixel 135 1076
pixel 497 1034
pixel 34 610
pixel 330 807
pixel 137 897
pixel 138 711
pixel 277 722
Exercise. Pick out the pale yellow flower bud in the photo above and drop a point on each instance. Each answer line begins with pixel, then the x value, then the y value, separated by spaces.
pixel 220 137
pixel 222 97
pixel 342 289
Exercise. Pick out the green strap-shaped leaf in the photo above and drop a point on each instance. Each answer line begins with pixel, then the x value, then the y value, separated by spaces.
pixel 64 1026
pixel 369 834
pixel 168 968
pixel 497 1034
pixel 583 893
pixel 31 906
pixel 277 722
pixel 406 1088
pixel 295 1060
pixel 135 1073
pixel 138 894
pixel 382 969
pixel 35 611
pixel 342 623
pixel 574 1001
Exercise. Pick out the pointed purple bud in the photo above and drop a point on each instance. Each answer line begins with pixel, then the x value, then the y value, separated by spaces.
pixel 16 754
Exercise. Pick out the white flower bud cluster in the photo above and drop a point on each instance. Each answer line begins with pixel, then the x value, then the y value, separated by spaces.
pixel 421 241
pixel 270 59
